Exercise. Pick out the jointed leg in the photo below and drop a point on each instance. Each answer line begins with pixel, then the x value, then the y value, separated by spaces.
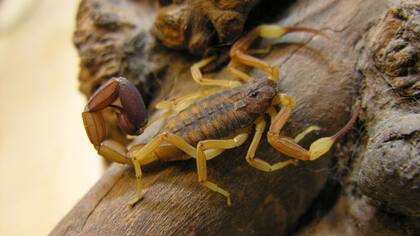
pixel 202 158
pixel 137 170
pixel 289 146
pixel 238 73
pixel 308 130
pixel 113 151
pixel 233 67
pixel 198 76
pixel 239 53
pixel 184 100
pixel 164 115
pixel 179 104
pixel 258 163
pixel 145 154
pixel 271 111
pixel 242 57
pixel 207 149
pixel 286 100
pixel 256 51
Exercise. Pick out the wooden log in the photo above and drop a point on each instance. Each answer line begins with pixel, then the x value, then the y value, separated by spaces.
pixel 318 73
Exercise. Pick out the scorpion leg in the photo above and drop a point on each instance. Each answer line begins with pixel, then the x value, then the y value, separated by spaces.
pixel 179 104
pixel 272 112
pixel 239 54
pixel 264 50
pixel 308 130
pixel 198 76
pixel 258 163
pixel 289 147
pixel 144 154
pixel 233 67
pixel 202 159
pixel 241 57
pixel 184 101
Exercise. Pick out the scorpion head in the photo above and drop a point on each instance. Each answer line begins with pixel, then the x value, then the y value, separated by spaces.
pixel 257 96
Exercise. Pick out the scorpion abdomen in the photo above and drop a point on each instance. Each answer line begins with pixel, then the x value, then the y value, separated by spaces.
pixel 221 114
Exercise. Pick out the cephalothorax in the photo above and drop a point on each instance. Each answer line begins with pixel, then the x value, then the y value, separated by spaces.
pixel 204 129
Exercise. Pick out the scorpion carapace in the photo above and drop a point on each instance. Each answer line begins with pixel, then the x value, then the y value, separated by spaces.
pixel 203 129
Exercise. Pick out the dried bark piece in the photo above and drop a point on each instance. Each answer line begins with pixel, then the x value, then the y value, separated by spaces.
pixel 390 169
pixel 396 50
pixel 357 215
pixel 98 38
pixel 196 25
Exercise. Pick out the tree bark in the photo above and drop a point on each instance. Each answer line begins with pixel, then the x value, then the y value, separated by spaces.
pixel 113 39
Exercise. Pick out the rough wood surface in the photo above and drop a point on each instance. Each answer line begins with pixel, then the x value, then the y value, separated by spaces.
pixel 381 191
pixel 263 203
pixel 390 68
pixel 195 25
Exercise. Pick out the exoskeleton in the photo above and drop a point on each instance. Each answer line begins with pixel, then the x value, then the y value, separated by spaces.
pixel 204 129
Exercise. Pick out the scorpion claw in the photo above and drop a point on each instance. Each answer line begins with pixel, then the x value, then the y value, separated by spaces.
pixel 95 127
pixel 126 126
pixel 132 102
pixel 104 96
pixel 132 116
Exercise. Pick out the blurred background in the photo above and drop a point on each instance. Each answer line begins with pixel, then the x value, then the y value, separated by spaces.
pixel 46 161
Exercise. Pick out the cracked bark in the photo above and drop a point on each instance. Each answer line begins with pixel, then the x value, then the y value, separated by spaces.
pixel 325 76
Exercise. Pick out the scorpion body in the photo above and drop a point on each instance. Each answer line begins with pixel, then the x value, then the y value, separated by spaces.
pixel 204 129
pixel 217 116
pixel 221 114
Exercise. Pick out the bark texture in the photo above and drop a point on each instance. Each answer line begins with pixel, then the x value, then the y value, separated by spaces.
pixel 390 66
pixel 326 76
pixel 196 25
